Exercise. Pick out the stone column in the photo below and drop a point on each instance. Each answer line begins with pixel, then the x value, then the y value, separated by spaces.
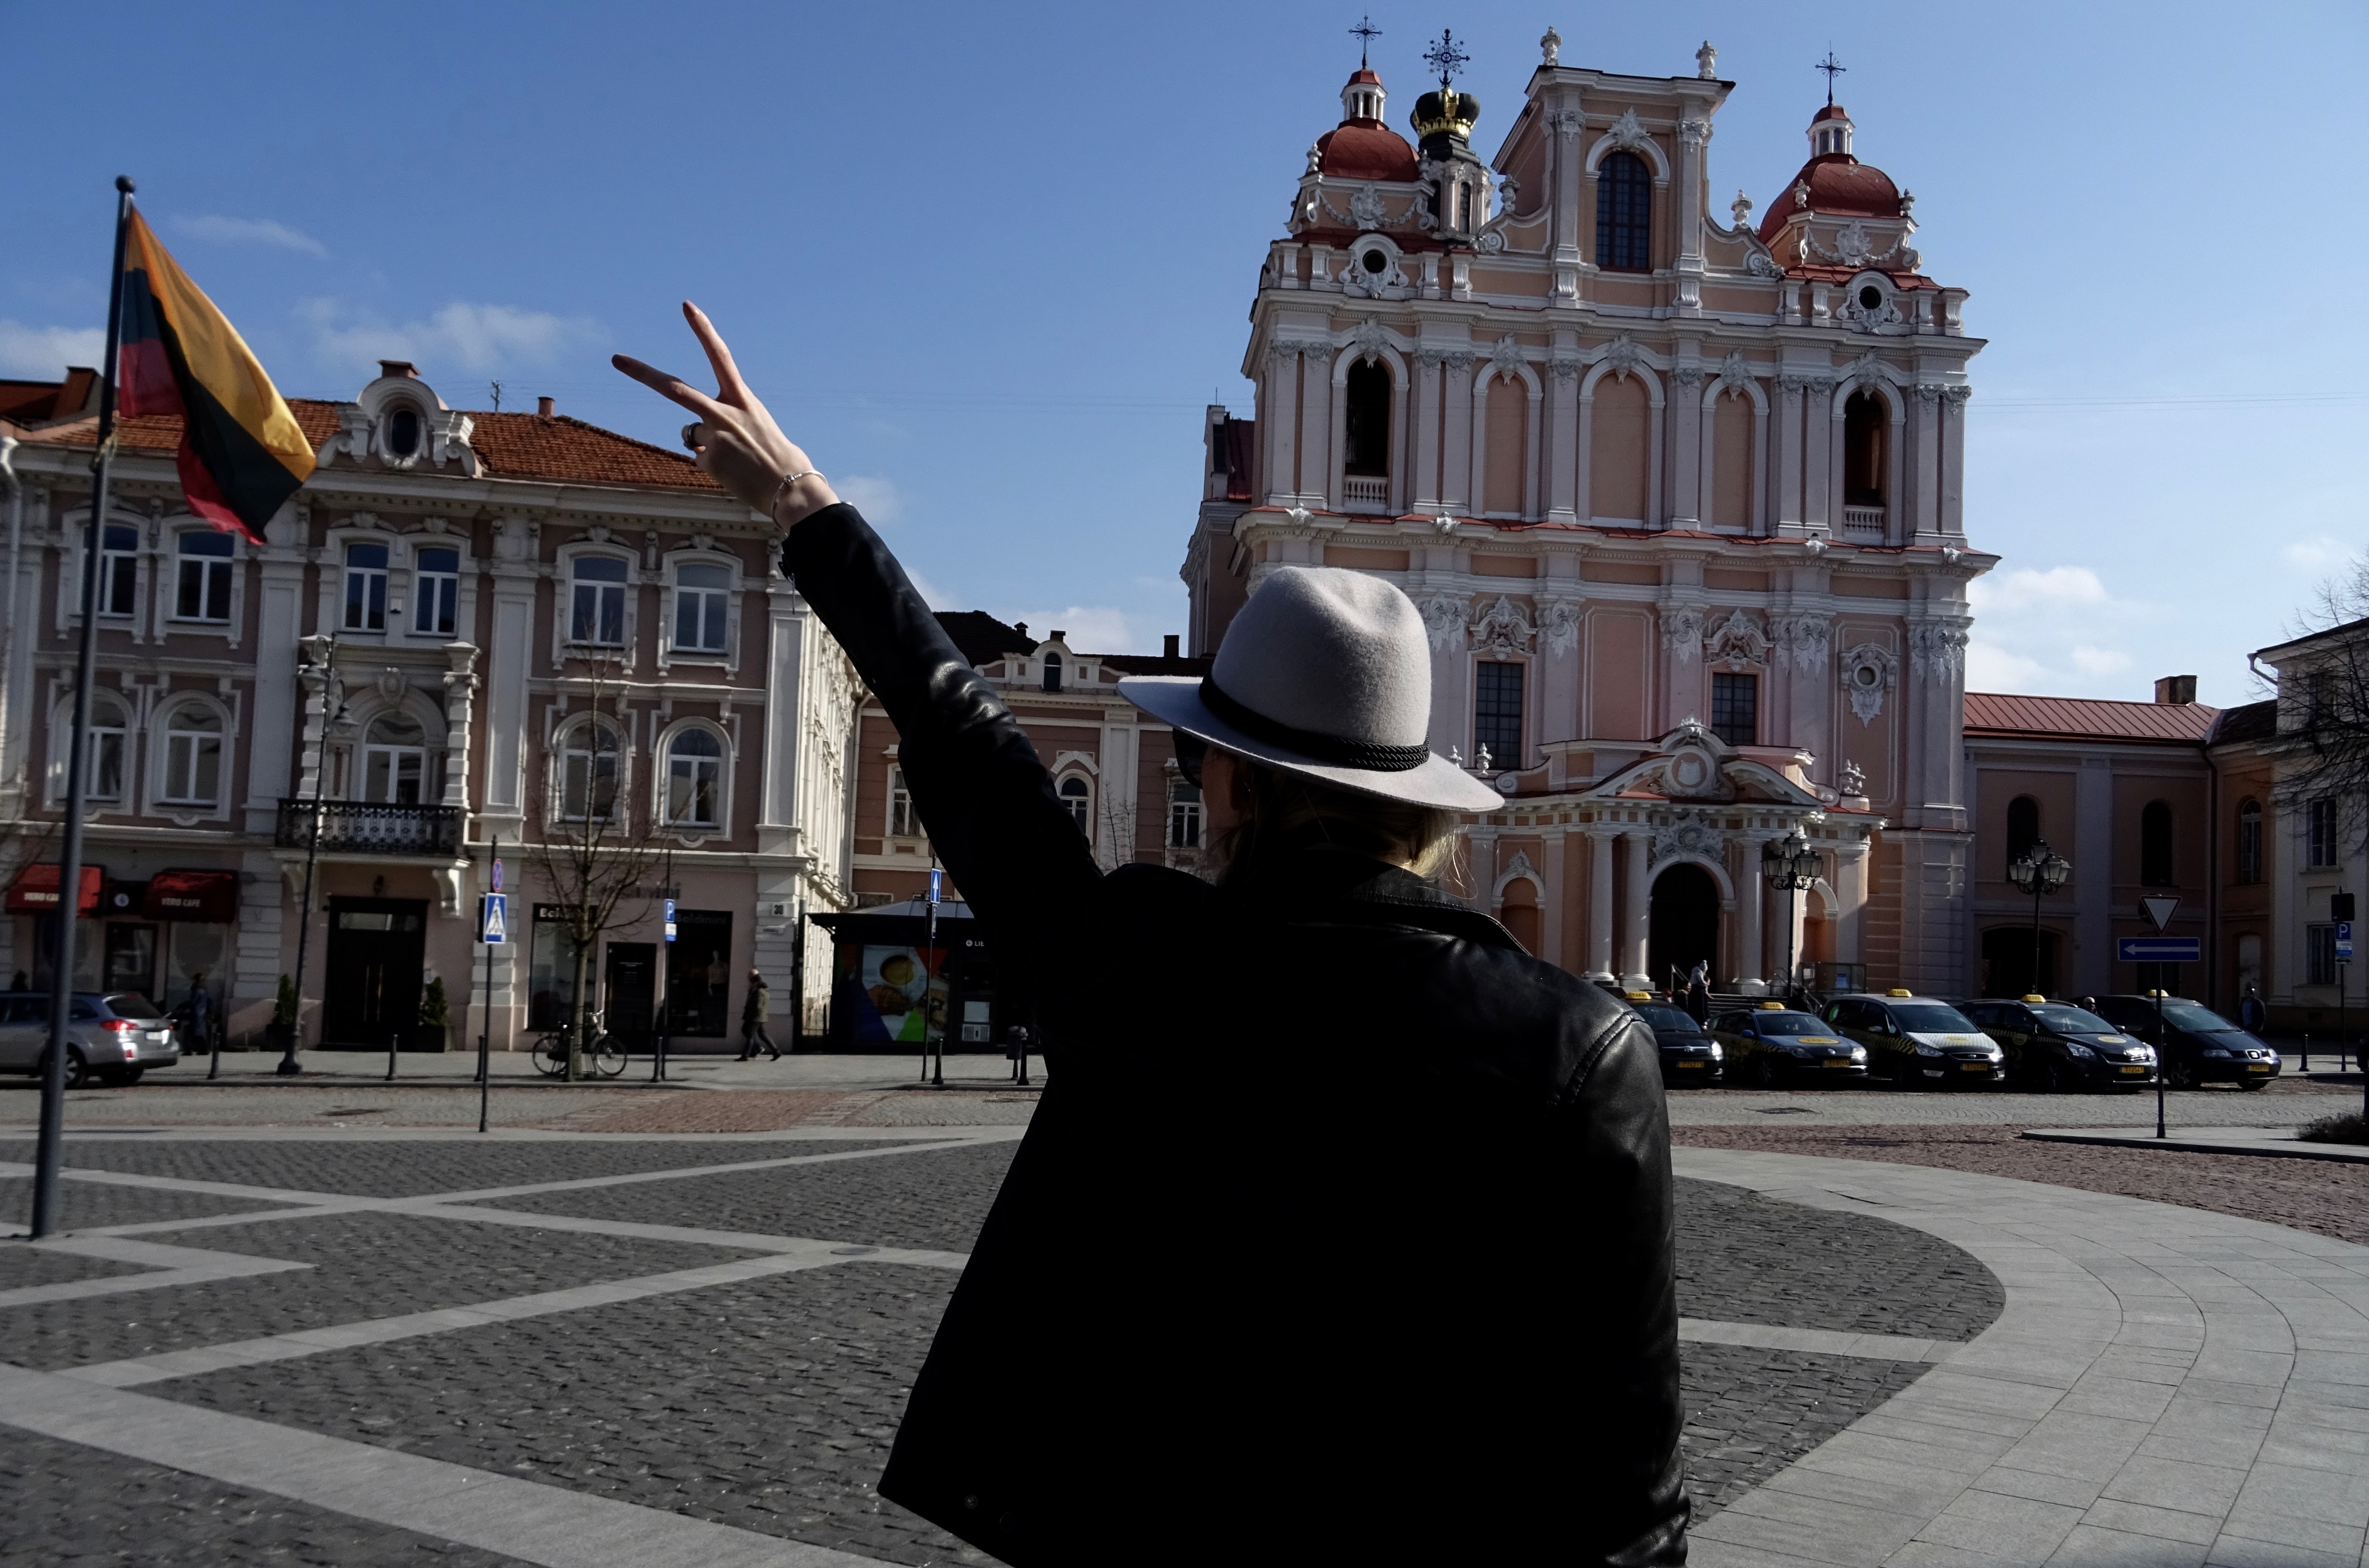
pixel 1316 455
pixel 510 655
pixel 1599 907
pixel 1954 460
pixel 1562 441
pixel 1427 380
pixel 1456 482
pixel 1746 967
pixel 1278 419
pixel 1688 437
pixel 1787 514
pixel 1637 911
pixel 1557 873
pixel 780 763
pixel 280 621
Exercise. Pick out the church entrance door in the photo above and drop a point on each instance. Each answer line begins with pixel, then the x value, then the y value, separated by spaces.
pixel 1684 925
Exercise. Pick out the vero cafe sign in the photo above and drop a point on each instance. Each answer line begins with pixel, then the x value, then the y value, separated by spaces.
pixel 34 891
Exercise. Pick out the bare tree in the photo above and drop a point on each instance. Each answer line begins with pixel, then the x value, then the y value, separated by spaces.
pixel 2322 691
pixel 596 849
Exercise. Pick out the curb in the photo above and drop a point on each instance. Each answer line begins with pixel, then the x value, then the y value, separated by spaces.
pixel 2343 1154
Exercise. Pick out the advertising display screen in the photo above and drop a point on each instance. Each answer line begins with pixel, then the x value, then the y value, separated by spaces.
pixel 891 992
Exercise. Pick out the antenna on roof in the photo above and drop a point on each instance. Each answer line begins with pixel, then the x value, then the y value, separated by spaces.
pixel 1366 33
pixel 498 396
pixel 1833 68
pixel 1445 57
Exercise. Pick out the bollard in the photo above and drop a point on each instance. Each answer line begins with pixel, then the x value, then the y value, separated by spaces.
pixel 393 1038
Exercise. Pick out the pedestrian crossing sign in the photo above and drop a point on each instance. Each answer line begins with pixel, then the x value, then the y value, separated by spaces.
pixel 493 923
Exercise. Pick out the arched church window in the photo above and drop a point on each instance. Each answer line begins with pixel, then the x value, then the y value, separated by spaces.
pixel 1867 425
pixel 1368 423
pixel 2155 845
pixel 2022 826
pixel 1624 213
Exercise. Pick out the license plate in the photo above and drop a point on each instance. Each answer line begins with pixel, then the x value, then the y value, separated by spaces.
pixel 1684 1064
pixel 2141 1070
pixel 2258 1067
pixel 1838 1062
pixel 1974 1067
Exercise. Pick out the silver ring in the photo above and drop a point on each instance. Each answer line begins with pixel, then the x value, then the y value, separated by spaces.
pixel 690 436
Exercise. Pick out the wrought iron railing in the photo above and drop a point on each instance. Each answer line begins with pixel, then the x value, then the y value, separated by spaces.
pixel 371 827
pixel 1864 523
pixel 1365 492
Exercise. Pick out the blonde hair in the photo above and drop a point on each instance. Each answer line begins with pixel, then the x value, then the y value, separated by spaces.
pixel 1284 811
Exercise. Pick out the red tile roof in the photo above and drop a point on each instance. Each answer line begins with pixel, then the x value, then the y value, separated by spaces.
pixel 511 446
pixel 2057 718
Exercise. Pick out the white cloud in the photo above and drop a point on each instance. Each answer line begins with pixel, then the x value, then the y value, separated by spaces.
pixel 2026 588
pixel 1990 668
pixel 2091 661
pixel 43 353
pixel 1088 630
pixel 473 337
pixel 2052 630
pixel 2318 554
pixel 880 501
pixel 248 230
pixel 931 594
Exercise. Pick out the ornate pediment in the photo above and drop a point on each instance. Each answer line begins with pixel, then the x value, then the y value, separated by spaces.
pixel 1736 642
pixel 1501 629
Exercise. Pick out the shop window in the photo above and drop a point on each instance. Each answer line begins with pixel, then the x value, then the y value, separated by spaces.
pixel 1866 425
pixel 2320 955
pixel 551 969
pixel 365 587
pixel 395 760
pixel 700 975
pixel 1624 213
pixel 902 823
pixel 202 589
pixel 2022 826
pixel 435 591
pixel 2319 833
pixel 118 569
pixel 1183 815
pixel 2249 841
pixel 1497 713
pixel 694 782
pixel 193 750
pixel 588 771
pixel 701 595
pixel 1367 421
pixel 597 612
pixel 1735 708
pixel 1078 797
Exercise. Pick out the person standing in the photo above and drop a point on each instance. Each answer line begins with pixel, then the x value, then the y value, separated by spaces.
pixel 753 1037
pixel 1698 995
pixel 202 1011
pixel 1231 1355
pixel 2252 1016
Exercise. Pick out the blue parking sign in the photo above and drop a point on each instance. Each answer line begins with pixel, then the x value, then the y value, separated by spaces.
pixel 2343 942
pixel 669 919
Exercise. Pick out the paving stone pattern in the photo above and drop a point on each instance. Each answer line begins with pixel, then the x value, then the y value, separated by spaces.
pixel 65 1505
pixel 406 1168
pixel 768 1405
pixel 1748 1259
pixel 1751 1412
pixel 21 1266
pixel 88 1206
pixel 934 1198
pixel 365 1265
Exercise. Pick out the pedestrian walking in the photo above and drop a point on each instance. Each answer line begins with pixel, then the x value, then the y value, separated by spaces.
pixel 1232 1354
pixel 201 1006
pixel 753 1037
pixel 2252 1016
pixel 1699 994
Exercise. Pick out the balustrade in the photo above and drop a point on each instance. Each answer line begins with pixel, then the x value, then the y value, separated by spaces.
pixel 372 827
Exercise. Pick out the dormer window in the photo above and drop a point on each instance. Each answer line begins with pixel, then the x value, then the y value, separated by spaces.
pixel 1052 671
pixel 403 432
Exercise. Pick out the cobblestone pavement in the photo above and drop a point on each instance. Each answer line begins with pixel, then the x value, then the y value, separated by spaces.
pixel 2286 1102
pixel 1750 1412
pixel 2319 1196
pixel 87 1206
pixel 21 1268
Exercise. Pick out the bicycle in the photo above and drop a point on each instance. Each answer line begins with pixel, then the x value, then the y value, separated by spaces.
pixel 602 1056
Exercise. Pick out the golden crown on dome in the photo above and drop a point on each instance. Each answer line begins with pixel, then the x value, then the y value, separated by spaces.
pixel 1446 111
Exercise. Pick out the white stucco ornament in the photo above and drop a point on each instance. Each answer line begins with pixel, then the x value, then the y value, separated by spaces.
pixel 1502 630
pixel 1737 641
pixel 1867 672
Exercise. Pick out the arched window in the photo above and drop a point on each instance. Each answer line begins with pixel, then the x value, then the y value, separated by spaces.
pixel 1052 670
pixel 1867 424
pixel 2022 826
pixel 193 750
pixel 2249 841
pixel 403 431
pixel 1078 797
pixel 701 594
pixel 597 613
pixel 204 585
pixel 2155 845
pixel 435 591
pixel 395 760
pixel 1367 424
pixel 103 769
pixel 588 771
pixel 1624 213
pixel 365 587
pixel 695 781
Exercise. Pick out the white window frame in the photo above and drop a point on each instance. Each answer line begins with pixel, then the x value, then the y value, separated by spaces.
pixel 664 779
pixel 623 588
pixel 1073 801
pixel 2320 850
pixel 227 565
pixel 904 822
pixel 366 750
pixel 719 600
pixel 62 732
pixel 113 562
pixel 352 576
pixel 170 768
pixel 564 750
pixel 425 585
pixel 1180 808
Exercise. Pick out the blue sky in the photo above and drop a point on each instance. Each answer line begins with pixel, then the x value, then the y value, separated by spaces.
pixel 989 262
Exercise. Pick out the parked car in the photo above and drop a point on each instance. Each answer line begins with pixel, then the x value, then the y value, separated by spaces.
pixel 2196 1043
pixel 1688 1055
pixel 1772 1042
pixel 113 1037
pixel 2054 1045
pixel 1918 1040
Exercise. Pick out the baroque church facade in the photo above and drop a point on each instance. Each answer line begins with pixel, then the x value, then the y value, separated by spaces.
pixel 1680 502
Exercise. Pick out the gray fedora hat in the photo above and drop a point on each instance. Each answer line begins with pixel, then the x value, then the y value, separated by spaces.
pixel 1325 673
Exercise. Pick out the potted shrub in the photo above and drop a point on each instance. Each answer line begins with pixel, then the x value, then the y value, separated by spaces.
pixel 282 1027
pixel 435 1019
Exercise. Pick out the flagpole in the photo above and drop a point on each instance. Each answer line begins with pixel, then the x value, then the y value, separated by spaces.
pixel 61 973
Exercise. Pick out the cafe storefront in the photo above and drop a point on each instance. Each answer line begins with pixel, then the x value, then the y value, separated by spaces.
pixel 155 936
pixel 893 988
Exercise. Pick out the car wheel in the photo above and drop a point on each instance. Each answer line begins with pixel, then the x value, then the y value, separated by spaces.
pixel 1904 1073
pixel 1762 1073
pixel 2179 1074
pixel 77 1069
pixel 2048 1078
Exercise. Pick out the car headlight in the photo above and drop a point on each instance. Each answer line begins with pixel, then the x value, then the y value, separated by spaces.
pixel 2079 1052
pixel 2215 1051
pixel 1925 1051
pixel 1859 1053
pixel 1716 1054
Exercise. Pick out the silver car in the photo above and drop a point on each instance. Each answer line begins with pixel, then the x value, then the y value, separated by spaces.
pixel 112 1038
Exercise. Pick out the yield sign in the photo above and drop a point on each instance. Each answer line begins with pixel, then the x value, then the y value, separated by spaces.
pixel 2159 911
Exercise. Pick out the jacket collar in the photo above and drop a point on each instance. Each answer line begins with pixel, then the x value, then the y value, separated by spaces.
pixel 1326 884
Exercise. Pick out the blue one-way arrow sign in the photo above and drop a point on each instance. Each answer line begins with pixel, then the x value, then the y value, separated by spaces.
pixel 2158 949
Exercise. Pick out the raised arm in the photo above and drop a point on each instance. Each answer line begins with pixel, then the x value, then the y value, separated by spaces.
pixel 1014 852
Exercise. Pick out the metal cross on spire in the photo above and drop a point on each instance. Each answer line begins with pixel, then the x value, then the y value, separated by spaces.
pixel 1365 32
pixel 1833 68
pixel 1445 57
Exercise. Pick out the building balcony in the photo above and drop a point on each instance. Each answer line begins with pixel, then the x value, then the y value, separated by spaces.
pixel 371 827
pixel 1365 493
pixel 1863 523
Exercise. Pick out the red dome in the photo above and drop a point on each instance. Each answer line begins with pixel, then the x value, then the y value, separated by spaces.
pixel 1365 149
pixel 1832 111
pixel 1840 186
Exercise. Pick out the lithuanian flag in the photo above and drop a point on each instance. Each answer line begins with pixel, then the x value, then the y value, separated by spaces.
pixel 242 453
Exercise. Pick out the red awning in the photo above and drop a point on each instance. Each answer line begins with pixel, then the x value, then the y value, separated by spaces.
pixel 192 896
pixel 34 891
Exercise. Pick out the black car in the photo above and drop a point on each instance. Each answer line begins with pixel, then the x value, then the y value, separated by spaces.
pixel 2198 1046
pixel 1772 1043
pixel 2054 1046
pixel 1688 1056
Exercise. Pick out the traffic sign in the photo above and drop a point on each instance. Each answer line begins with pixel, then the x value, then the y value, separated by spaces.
pixel 2344 942
pixel 2159 911
pixel 669 919
pixel 497 876
pixel 2158 949
pixel 936 875
pixel 494 920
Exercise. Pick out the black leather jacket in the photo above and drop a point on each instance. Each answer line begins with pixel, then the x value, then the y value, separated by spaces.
pixel 1343 1231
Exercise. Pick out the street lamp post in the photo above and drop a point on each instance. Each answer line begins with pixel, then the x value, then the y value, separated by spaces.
pixel 289 1066
pixel 2039 871
pixel 1790 865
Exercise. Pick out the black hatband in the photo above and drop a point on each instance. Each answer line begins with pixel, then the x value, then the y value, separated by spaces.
pixel 1330 749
